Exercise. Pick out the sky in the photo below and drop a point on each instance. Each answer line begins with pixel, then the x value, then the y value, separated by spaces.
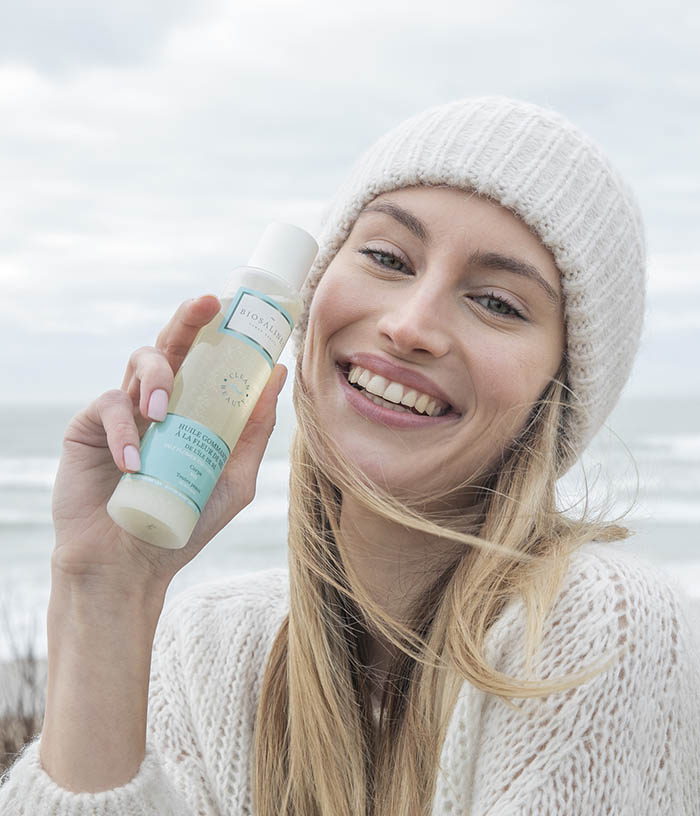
pixel 144 147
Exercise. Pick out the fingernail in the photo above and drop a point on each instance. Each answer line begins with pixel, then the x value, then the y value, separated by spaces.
pixel 158 405
pixel 283 380
pixel 132 459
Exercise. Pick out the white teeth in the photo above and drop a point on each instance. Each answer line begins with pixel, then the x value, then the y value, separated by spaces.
pixel 380 401
pixel 409 398
pixel 377 385
pixel 394 393
pixel 364 378
pixel 421 402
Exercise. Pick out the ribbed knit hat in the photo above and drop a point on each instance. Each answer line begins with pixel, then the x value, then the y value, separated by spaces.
pixel 536 163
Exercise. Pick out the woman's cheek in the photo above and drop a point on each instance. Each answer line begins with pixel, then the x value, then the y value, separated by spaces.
pixel 340 303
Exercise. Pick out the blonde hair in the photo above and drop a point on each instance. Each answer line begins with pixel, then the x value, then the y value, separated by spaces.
pixel 317 752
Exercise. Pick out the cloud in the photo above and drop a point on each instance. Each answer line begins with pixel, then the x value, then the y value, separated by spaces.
pixel 144 147
pixel 59 37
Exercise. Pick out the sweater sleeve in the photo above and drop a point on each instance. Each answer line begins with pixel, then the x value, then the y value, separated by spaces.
pixel 626 743
pixel 171 780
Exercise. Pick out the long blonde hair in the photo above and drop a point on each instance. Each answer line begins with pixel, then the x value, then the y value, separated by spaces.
pixel 317 752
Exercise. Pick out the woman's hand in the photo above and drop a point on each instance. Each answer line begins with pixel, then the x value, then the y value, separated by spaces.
pixel 90 547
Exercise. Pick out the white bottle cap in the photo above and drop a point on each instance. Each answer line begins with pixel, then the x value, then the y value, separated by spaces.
pixel 286 251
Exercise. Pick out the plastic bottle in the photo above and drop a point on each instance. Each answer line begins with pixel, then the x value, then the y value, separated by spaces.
pixel 215 391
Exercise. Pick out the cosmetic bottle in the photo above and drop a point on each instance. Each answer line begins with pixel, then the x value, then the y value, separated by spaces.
pixel 215 391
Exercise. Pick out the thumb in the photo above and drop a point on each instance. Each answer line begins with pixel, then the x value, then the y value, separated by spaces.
pixel 261 422
pixel 281 373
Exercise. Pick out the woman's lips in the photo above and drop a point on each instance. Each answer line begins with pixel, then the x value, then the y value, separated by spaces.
pixel 387 416
pixel 397 373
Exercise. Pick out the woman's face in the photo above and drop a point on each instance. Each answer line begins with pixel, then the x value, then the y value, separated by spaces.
pixel 445 301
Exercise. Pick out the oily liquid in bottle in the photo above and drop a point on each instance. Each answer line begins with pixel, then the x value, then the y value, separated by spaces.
pixel 214 393
pixel 223 397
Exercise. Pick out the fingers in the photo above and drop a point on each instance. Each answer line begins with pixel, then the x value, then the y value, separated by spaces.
pixel 253 441
pixel 111 416
pixel 149 375
pixel 177 336
pixel 151 382
pixel 262 419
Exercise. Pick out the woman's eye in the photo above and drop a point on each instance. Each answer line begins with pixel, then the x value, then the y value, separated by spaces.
pixel 501 306
pixel 386 259
pixel 496 305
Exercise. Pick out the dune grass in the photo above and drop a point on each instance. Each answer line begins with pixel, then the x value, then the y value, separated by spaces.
pixel 22 695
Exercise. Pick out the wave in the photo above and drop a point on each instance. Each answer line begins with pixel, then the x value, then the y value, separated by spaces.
pixel 680 447
pixel 40 472
pixel 670 511
pixel 262 509
pixel 24 518
pixel 666 491
pixel 24 499
pixel 35 472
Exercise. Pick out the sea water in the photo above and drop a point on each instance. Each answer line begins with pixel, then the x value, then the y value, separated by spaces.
pixel 646 461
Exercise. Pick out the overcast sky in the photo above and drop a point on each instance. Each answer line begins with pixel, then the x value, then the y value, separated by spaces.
pixel 144 146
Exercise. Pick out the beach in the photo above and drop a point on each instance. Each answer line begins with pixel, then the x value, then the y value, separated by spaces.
pixel 648 459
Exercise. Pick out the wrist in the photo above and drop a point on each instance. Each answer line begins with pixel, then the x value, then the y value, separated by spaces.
pixel 90 604
pixel 99 656
pixel 111 586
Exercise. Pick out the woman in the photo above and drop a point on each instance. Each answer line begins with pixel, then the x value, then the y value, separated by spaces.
pixel 446 640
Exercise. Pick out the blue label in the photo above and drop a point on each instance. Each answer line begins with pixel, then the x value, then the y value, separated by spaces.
pixel 185 456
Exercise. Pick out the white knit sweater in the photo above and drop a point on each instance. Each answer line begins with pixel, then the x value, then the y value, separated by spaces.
pixel 626 743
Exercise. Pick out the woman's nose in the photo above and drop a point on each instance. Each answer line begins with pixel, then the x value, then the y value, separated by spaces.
pixel 416 320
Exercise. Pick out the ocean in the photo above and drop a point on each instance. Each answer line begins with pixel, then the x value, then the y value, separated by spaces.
pixel 645 463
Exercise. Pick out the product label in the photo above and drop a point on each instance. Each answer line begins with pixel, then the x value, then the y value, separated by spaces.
pixel 256 319
pixel 185 457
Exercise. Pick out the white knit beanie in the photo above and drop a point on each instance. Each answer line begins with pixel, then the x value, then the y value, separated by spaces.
pixel 536 163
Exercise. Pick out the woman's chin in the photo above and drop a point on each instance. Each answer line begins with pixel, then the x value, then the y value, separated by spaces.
pixel 399 478
pixel 379 468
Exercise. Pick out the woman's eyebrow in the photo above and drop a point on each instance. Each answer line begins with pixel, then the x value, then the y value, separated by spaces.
pixel 488 260
pixel 410 221
pixel 494 260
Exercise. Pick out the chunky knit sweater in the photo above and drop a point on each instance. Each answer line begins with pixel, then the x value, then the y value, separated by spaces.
pixel 626 743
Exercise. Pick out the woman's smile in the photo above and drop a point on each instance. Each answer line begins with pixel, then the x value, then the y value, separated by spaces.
pixel 379 409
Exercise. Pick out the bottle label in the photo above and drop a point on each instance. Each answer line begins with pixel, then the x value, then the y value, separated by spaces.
pixel 256 319
pixel 183 456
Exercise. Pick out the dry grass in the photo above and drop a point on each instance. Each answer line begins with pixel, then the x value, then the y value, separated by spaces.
pixel 23 690
pixel 15 733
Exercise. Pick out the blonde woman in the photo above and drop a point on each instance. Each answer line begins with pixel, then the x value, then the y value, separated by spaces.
pixel 446 640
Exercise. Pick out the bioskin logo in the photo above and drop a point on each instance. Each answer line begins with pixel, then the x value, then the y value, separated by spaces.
pixel 235 389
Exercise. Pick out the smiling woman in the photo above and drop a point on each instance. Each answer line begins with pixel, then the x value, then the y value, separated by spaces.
pixel 476 336
pixel 461 342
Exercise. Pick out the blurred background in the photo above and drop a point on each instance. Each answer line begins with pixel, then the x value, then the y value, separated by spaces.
pixel 144 147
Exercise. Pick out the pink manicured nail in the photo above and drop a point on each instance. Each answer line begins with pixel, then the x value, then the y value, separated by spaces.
pixel 132 459
pixel 158 405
